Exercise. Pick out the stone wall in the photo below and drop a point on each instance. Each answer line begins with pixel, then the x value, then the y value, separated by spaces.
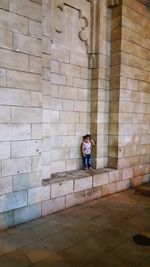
pixel 56 84
pixel 129 135
pixel 71 80
pixel 20 106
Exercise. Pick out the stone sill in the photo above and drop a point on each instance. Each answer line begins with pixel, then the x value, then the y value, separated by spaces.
pixel 73 175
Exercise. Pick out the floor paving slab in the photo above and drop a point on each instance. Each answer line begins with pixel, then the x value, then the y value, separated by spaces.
pixel 15 259
pixel 52 261
pixel 97 233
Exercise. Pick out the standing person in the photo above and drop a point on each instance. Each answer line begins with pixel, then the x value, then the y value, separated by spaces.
pixel 86 147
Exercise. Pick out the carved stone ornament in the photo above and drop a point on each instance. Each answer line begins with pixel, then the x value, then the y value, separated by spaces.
pixel 84 32
pixel 88 25
pixel 113 3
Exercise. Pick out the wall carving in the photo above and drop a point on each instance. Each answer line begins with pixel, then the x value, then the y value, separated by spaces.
pixel 74 24
pixel 83 16
pixel 86 24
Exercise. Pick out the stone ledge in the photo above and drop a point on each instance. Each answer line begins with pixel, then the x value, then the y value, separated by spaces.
pixel 73 175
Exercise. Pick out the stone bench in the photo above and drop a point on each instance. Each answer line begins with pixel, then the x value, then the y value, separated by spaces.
pixel 79 186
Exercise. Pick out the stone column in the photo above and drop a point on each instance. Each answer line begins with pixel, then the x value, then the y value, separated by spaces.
pixel 100 84
pixel 115 84
pixel 46 87
pixel 129 90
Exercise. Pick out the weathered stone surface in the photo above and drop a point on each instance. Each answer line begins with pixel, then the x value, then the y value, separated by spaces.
pixel 82 184
pixel 23 80
pixel 83 196
pixel 58 79
pixel 46 45
pixel 114 176
pixel 38 194
pixel 123 185
pixel 16 166
pixel 13 200
pixel 25 8
pixel 25 214
pixel 6 185
pixel 13 22
pixel 67 93
pixel 70 70
pixel 37 163
pixel 35 29
pixel 109 189
pixel 53 205
pixel 19 131
pixel 13 60
pixel 4 114
pixel 14 97
pixel 6 38
pixel 3 77
pixel 36 99
pixel 5 150
pixel 26 115
pixel 60 54
pixel 61 188
pixel 127 173
pixel 27 45
pixel 36 131
pixel 26 180
pixel 6 219
pixel 4 4
pixel 78 59
pixel 14 132
pixel 100 179
pixel 35 64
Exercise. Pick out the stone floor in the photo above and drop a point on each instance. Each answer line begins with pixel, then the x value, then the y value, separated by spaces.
pixel 96 234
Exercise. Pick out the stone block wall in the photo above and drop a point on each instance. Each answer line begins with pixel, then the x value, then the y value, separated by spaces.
pixel 71 80
pixel 56 84
pixel 20 104
pixel 129 135
pixel 134 117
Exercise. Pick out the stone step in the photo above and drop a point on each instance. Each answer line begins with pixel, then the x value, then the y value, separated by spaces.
pixel 76 174
pixel 143 190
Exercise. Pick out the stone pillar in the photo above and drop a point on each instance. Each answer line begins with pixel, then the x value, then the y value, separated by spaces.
pixel 134 89
pixel 129 89
pixel 46 87
pixel 115 84
pixel 100 84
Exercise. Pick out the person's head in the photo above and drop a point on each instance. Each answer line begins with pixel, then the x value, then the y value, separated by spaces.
pixel 87 138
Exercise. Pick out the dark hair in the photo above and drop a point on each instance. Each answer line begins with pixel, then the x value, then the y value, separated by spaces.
pixel 86 136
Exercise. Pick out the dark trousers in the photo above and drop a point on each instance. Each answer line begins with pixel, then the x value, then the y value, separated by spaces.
pixel 87 161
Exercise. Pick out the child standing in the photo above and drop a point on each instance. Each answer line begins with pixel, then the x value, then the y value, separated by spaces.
pixel 86 148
